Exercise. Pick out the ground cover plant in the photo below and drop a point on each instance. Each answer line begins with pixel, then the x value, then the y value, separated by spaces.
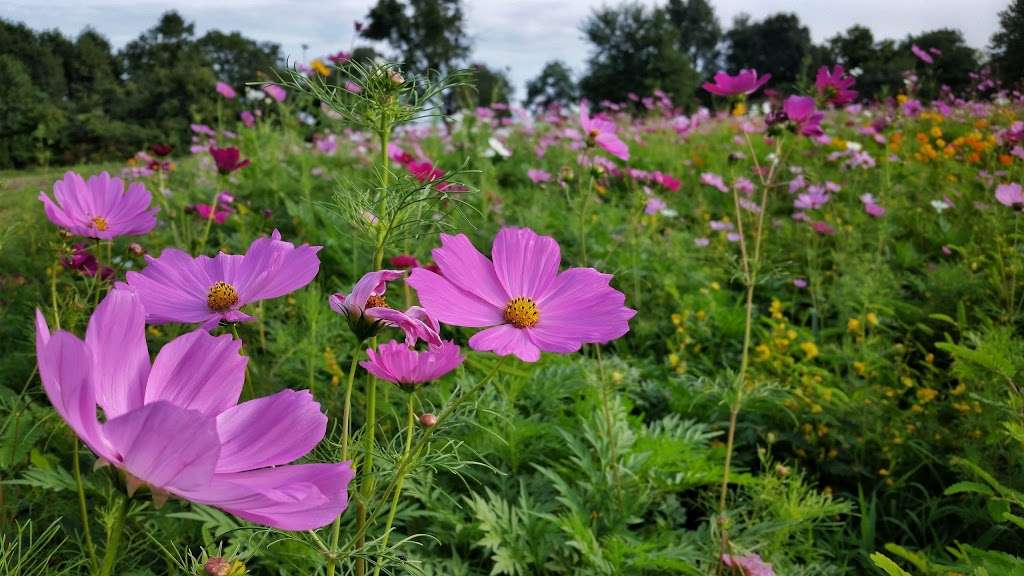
pixel 348 333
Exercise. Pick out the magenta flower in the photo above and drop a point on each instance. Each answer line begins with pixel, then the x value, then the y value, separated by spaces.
pixel 871 206
pixel 228 159
pixel 538 176
pixel 715 181
pixel 275 92
pixel 800 110
pixel 175 426
pixel 654 205
pixel 248 118
pixel 834 87
pixel 410 368
pixel 225 90
pixel 524 302
pixel 602 133
pixel 921 54
pixel 366 309
pixel 748 564
pixel 179 288
pixel 83 261
pixel 404 261
pixel 1010 195
pixel 744 83
pixel 814 198
pixel 100 207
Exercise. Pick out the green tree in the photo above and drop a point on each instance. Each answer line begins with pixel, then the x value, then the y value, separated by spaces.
pixel 426 34
pixel 779 45
pixel 952 67
pixel 1008 43
pixel 700 33
pixel 169 81
pixel 878 64
pixel 236 59
pixel 635 49
pixel 20 113
pixel 554 85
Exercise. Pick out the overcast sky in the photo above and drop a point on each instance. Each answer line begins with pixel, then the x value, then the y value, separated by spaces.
pixel 520 35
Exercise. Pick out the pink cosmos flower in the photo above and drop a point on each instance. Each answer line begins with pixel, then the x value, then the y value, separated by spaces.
pixel 602 133
pixel 410 368
pixel 715 181
pixel 823 228
pixel 83 261
pixel 404 261
pixel 1010 195
pixel 179 288
pixel 743 185
pixel 524 302
pixel 800 110
pixel 921 54
pixel 176 427
pixel 228 160
pixel 225 90
pixel 654 205
pixel 814 198
pixel 538 176
pixel 275 92
pixel 248 118
pixel 871 206
pixel 834 87
pixel 744 83
pixel 100 207
pixel 366 309
pixel 748 564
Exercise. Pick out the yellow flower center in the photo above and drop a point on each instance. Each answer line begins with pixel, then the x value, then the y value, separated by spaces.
pixel 99 223
pixel 221 297
pixel 376 301
pixel 522 312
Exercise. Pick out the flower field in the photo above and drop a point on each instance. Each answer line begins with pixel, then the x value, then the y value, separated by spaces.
pixel 346 333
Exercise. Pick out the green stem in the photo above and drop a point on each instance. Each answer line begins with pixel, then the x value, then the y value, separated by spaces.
pixel 83 510
pixel 53 296
pixel 399 481
pixel 584 201
pixel 114 539
pixel 209 220
pixel 332 558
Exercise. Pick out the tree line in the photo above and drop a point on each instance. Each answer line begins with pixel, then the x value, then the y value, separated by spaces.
pixel 77 99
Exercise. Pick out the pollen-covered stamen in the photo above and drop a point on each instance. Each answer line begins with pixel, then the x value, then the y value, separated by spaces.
pixel 377 301
pixel 100 223
pixel 522 312
pixel 221 297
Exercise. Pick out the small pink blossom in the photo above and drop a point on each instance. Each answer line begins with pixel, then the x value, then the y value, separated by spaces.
pixel 744 83
pixel 1010 195
pixel 225 90
pixel 715 181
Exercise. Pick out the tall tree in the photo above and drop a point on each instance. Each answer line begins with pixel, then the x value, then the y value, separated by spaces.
pixel 635 49
pixel 1008 43
pixel 427 34
pixel 237 59
pixel 953 64
pixel 779 44
pixel 554 85
pixel 700 33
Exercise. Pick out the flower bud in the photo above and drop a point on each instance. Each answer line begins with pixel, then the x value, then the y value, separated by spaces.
pixel 428 420
pixel 136 249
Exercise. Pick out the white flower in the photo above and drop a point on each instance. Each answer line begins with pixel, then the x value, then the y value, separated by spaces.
pixel 940 206
pixel 856 71
pixel 855 146
pixel 496 147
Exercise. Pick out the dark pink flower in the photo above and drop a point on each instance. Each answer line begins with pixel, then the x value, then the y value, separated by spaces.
pixel 834 87
pixel 228 159
pixel 823 228
pixel 179 288
pixel 367 312
pixel 400 364
pixel 801 111
pixel 176 426
pixel 602 133
pixel 521 298
pixel 404 261
pixel 248 118
pixel 83 261
pixel 744 83
pixel 225 90
pixel 100 207
pixel 921 54
pixel 538 176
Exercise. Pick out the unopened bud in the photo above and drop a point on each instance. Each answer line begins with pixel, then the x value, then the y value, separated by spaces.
pixel 428 420
pixel 217 566
pixel 396 77
pixel 136 248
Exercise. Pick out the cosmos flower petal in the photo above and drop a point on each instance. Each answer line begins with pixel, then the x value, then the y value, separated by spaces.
pixel 414 328
pixel 371 284
pixel 284 267
pixel 504 340
pixel 464 266
pixel 269 431
pixel 582 307
pixel 397 363
pixel 451 305
pixel 166 446
pixel 117 337
pixel 65 367
pixel 525 262
pixel 198 371
pixel 296 497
